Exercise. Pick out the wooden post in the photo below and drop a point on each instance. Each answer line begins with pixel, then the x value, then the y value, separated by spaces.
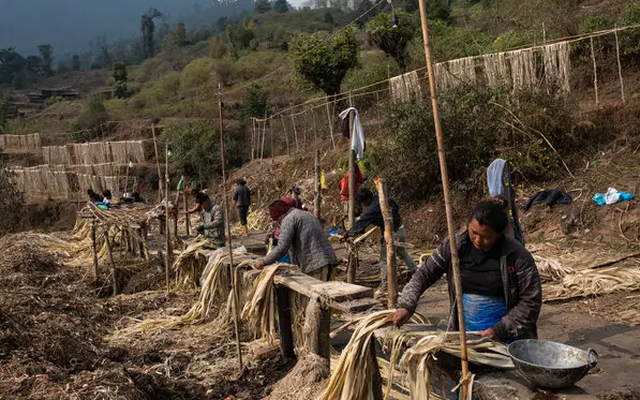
pixel 315 128
pixel 317 328
pixel 392 268
pixel 94 252
pixel 234 283
pixel 155 149
pixel 143 238
pixel 271 149
pixel 318 195
pixel 283 295
pixel 126 178
pixel 253 137
pixel 264 135
pixel 333 142
pixel 145 245
pixel 187 217
pixel 442 158
pixel 595 72
pixel 352 187
pixel 619 65
pixel 286 137
pixel 167 232
pixel 112 265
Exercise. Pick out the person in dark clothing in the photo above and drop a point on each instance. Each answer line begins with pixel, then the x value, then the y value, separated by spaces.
pixel 372 215
pixel 94 197
pixel 242 197
pixel 501 287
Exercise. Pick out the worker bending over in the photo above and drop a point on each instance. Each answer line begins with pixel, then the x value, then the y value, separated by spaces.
pixel 303 236
pixel 212 225
pixel 500 282
pixel 372 215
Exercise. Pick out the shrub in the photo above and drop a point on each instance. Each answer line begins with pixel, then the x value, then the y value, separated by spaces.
pixel 217 47
pixel 88 124
pixel 630 39
pixel 53 100
pixel 478 126
pixel 196 75
pixel 224 71
pixel 11 202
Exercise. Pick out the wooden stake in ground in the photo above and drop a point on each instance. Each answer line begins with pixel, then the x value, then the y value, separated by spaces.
pixel 595 71
pixel 167 231
pixel 286 137
pixel 455 261
pixel 155 149
pixel 333 142
pixel 293 122
pixel 392 268
pixel 227 222
pixel 114 274
pixel 94 252
pixel 619 65
pixel 187 217
pixel 317 200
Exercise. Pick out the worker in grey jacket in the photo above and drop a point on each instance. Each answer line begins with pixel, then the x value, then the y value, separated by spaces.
pixel 501 288
pixel 242 197
pixel 303 236
pixel 212 225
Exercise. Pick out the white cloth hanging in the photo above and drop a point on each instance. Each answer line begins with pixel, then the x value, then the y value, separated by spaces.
pixel 358 143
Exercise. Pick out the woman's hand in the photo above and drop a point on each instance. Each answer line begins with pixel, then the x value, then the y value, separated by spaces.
pixel 401 316
pixel 259 264
pixel 488 333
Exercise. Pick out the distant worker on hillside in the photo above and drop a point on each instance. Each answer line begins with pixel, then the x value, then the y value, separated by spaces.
pixel 501 289
pixel 242 197
pixel 304 238
pixel 212 225
pixel 372 215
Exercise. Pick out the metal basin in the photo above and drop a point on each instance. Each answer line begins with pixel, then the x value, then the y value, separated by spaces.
pixel 551 365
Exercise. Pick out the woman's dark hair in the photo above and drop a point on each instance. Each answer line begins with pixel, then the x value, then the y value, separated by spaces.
pixel 201 197
pixel 491 213
pixel 241 182
pixel 364 195
pixel 107 194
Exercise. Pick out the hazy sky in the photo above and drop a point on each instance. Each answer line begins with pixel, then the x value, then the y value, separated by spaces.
pixel 68 25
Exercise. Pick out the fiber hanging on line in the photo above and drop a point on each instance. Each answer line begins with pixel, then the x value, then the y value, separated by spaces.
pixel 557 65
pixel 523 69
pixel 496 70
pixel 405 87
pixel 122 152
pixel 30 142
pixel 454 72
pixel 56 155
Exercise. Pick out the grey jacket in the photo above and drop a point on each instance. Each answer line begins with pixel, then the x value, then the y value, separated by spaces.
pixel 303 234
pixel 521 281
pixel 213 222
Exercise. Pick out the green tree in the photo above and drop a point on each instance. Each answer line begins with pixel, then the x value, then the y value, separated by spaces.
pixel 325 63
pixel 281 6
pixel 255 103
pixel 75 63
pixel 328 18
pixel 120 78
pixel 240 36
pixel 195 148
pixel 262 6
pixel 436 9
pixel 392 39
pixel 46 53
pixel 630 39
pixel 181 35
pixel 148 27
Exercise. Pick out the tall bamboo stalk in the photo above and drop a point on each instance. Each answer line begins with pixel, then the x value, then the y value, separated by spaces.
pixel 167 231
pixel 455 261
pixel 392 267
pixel 234 283
pixel 155 149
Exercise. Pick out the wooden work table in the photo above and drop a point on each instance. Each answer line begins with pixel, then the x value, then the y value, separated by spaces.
pixel 489 383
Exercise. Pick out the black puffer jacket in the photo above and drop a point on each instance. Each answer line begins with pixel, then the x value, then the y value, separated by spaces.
pixel 521 281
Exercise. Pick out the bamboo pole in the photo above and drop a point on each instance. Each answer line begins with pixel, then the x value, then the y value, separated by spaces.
pixel 271 150
pixel 318 195
pixel 94 252
pixel 295 131
pixel 619 66
pixel 114 277
pixel 392 268
pixel 352 171
pixel 455 261
pixel 234 282
pixel 167 231
pixel 595 71
pixel 264 135
pixel 333 142
pixel 155 149
pixel 253 137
